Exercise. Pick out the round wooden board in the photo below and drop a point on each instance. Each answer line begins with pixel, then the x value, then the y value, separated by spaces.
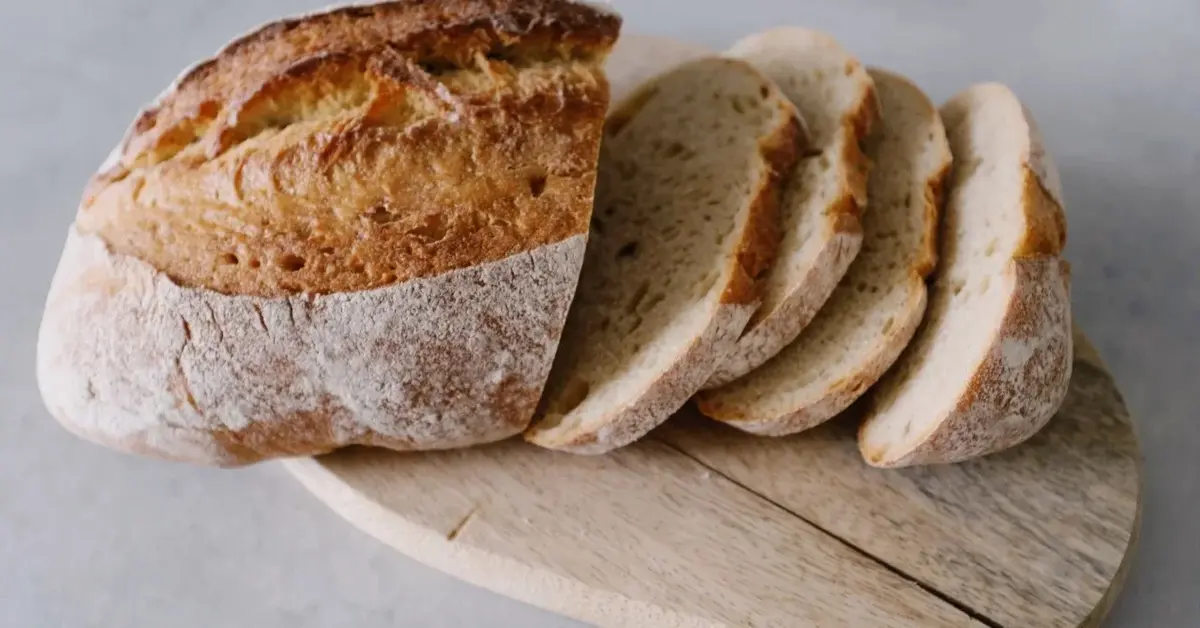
pixel 699 525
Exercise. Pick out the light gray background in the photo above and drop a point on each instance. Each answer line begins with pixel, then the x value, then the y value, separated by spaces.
pixel 90 538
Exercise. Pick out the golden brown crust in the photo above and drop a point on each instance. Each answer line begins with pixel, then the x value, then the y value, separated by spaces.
pixel 859 172
pixel 757 250
pixel 364 147
pixel 1046 232
pixel 928 260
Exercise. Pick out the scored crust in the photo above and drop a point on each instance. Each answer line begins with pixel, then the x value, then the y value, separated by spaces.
pixel 363 226
pixel 286 163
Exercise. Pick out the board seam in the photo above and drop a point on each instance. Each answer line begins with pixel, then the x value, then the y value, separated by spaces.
pixel 960 606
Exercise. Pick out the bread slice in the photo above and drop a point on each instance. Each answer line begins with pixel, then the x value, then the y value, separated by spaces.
pixel 878 305
pixel 825 194
pixel 363 226
pixel 686 221
pixel 992 362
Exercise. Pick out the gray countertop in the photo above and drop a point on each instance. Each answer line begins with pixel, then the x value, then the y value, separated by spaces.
pixel 92 538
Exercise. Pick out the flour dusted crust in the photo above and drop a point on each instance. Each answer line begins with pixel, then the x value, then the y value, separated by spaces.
pixel 1021 382
pixel 362 226
pixel 1022 378
pixel 132 360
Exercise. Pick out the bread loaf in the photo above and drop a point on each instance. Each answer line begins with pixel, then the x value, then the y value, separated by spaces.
pixel 363 226
pixel 992 361
pixel 686 223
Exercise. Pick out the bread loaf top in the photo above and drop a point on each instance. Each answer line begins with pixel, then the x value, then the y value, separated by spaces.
pixel 363 147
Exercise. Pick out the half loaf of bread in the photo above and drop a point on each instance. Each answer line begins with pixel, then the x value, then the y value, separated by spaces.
pixel 992 362
pixel 825 194
pixel 686 222
pixel 363 226
pixel 877 307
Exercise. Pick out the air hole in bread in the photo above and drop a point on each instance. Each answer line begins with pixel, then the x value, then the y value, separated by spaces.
pixel 537 185
pixel 380 215
pixel 254 263
pixel 908 200
pixel 228 259
pixel 653 301
pixel 629 250
pixel 861 287
pixel 431 230
pixel 991 247
pixel 291 263
pixel 737 105
pixel 638 296
pixel 499 54
pixel 675 149
pixel 326 250
pixel 764 91
pixel 887 326
pixel 435 67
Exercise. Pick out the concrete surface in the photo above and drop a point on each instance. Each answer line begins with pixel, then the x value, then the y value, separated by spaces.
pixel 90 538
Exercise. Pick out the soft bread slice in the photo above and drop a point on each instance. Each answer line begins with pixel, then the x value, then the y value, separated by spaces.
pixel 686 220
pixel 825 194
pixel 992 362
pixel 363 226
pixel 878 306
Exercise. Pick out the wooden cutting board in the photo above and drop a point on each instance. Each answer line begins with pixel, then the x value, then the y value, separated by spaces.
pixel 699 525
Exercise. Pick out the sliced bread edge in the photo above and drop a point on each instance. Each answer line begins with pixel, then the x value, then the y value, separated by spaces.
pixel 803 386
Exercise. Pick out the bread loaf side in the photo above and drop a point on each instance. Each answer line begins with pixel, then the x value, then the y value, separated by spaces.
pixel 363 226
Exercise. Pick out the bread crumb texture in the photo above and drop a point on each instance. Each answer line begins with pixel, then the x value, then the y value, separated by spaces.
pixel 364 147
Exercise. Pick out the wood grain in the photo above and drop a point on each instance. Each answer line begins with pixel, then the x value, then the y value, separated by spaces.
pixel 642 537
pixel 649 537
pixel 1030 537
